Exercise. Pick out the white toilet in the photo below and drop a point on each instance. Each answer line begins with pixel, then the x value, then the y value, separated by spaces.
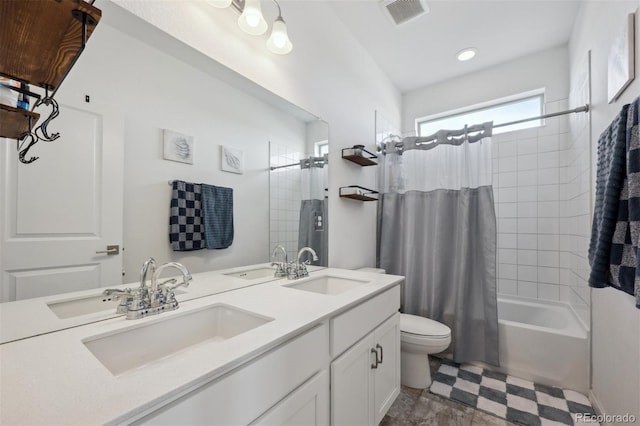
pixel 419 337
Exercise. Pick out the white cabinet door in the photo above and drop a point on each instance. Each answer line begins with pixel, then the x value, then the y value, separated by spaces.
pixel 387 375
pixel 351 396
pixel 365 380
pixel 306 406
pixel 59 210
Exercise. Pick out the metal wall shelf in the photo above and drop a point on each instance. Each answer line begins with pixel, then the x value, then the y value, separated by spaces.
pixel 359 155
pixel 356 192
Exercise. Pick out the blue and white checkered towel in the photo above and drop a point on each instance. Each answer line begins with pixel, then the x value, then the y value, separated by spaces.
pixel 614 251
pixel 186 231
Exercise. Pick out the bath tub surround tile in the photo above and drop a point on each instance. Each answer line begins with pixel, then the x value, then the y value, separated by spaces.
pixel 507 271
pixel 528 289
pixel 527 178
pixel 527 273
pixel 507 287
pixel 508 256
pixel 527 241
pixel 548 291
pixel 528 257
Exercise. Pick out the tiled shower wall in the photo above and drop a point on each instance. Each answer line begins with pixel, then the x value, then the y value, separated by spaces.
pixel 576 192
pixel 539 196
pixel 285 197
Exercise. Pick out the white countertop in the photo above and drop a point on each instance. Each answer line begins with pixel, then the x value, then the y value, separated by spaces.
pixel 32 317
pixel 55 379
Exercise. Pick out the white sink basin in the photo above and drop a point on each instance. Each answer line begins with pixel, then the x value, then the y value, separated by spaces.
pixel 83 306
pixel 86 305
pixel 137 346
pixel 328 285
pixel 252 274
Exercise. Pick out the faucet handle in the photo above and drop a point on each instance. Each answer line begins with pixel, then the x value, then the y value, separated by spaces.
pixel 116 292
pixel 170 281
pixel 184 283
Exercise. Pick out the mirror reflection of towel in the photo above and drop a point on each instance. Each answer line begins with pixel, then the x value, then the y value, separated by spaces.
pixel 217 205
pixel 185 221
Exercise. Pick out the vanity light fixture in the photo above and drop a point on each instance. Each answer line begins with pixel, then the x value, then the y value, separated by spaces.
pixel 252 22
pixel 279 42
pixel 466 54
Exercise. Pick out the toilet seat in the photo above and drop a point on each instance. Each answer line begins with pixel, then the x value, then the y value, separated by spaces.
pixel 420 327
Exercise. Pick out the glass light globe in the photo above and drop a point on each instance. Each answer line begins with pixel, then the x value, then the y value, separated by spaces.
pixel 279 42
pixel 251 20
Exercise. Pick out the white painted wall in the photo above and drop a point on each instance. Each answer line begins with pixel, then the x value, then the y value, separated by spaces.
pixel 155 91
pixel 328 73
pixel 548 69
pixel 615 320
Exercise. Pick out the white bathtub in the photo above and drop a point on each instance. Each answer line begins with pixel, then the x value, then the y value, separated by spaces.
pixel 543 342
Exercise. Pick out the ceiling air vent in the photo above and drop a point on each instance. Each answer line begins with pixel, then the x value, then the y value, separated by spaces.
pixel 402 11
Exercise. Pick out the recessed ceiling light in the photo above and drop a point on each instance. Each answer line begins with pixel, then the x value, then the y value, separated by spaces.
pixel 466 54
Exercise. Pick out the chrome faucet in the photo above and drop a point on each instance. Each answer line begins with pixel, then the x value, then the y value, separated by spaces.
pixel 281 268
pixel 299 269
pixel 149 263
pixel 158 296
pixel 144 300
pixel 303 250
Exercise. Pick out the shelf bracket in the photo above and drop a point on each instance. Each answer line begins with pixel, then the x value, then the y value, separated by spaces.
pixel 40 133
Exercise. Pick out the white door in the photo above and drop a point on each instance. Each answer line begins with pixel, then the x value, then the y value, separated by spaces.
pixel 387 375
pixel 58 211
pixel 351 385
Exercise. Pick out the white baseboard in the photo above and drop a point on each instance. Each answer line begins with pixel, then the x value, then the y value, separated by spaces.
pixel 597 405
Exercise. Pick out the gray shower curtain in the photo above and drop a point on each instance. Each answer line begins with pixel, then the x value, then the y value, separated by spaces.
pixel 313 227
pixel 437 227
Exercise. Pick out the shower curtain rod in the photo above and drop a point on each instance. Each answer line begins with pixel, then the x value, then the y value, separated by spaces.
pixel 584 108
pixel 315 160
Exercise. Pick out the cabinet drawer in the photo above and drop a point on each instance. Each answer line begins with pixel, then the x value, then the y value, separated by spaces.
pixel 244 394
pixel 351 326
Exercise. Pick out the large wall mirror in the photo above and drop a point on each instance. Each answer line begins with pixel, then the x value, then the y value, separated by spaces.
pixel 139 82
pixel 298 194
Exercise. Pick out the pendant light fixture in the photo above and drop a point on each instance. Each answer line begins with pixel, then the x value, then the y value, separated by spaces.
pixel 279 42
pixel 252 22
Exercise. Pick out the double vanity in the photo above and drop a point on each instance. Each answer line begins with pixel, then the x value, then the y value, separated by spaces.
pixel 244 347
